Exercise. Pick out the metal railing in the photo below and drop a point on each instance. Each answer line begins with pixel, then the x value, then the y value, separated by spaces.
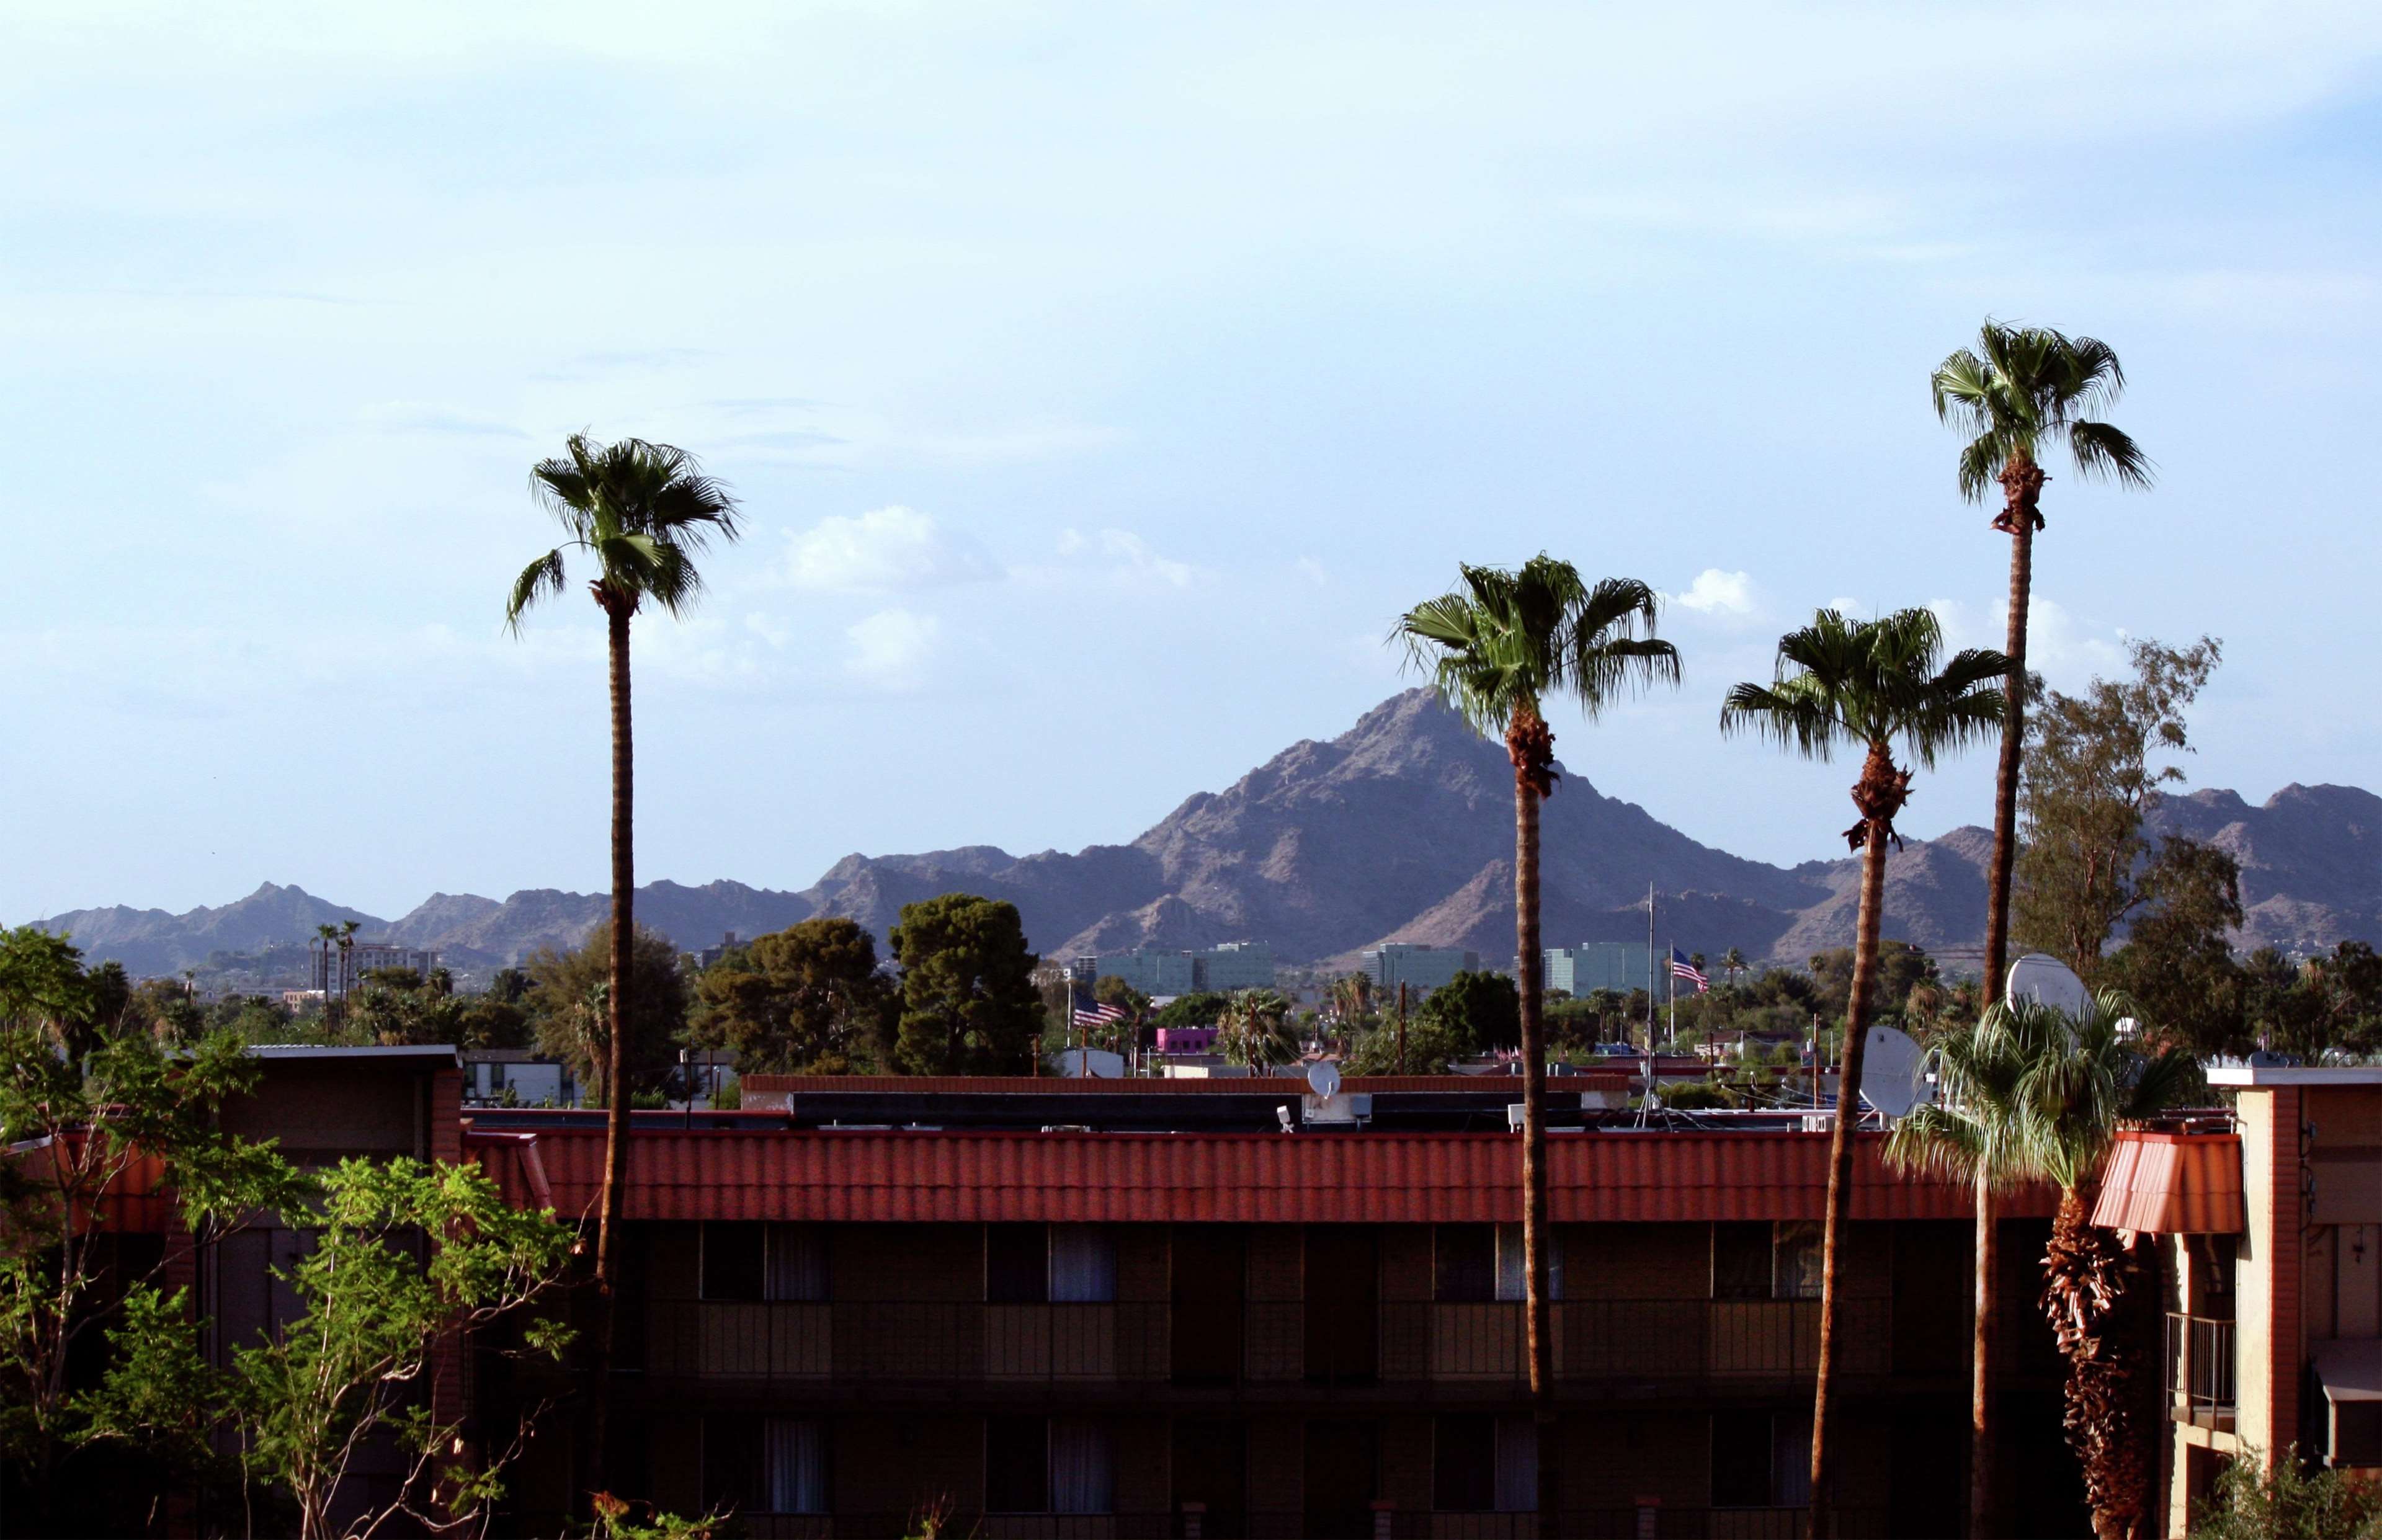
pixel 1257 1342
pixel 2200 1369
pixel 1653 1523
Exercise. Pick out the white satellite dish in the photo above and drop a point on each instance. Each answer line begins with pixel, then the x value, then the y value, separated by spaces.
pixel 2046 981
pixel 1323 1078
pixel 1894 1074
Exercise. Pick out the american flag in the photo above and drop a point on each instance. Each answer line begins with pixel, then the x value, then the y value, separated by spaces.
pixel 1097 1015
pixel 1681 968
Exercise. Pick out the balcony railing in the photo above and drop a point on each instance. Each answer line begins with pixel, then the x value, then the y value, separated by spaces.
pixel 1259 1342
pixel 2200 1369
pixel 1653 1523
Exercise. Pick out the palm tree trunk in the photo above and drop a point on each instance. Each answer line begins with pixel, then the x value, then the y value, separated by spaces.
pixel 2005 781
pixel 1841 1140
pixel 1537 1325
pixel 1981 1369
pixel 2100 1317
pixel 616 1077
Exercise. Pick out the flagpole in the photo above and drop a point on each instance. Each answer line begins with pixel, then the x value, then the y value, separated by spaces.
pixel 1675 993
pixel 1650 966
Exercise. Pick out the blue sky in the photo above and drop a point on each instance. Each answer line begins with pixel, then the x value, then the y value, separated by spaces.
pixel 1101 382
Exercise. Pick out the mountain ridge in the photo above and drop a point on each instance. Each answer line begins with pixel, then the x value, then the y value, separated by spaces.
pixel 1400 828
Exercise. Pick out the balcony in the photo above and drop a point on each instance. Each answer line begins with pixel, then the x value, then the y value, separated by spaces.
pixel 1608 1524
pixel 2199 1370
pixel 1399 1342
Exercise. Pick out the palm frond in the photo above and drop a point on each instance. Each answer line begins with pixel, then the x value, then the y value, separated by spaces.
pixel 539 578
pixel 1505 639
pixel 2102 450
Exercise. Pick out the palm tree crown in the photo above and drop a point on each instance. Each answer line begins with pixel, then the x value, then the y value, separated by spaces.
pixel 2024 387
pixel 1497 646
pixel 643 510
pixel 1871 684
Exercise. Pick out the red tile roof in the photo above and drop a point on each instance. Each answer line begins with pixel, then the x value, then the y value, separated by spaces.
pixel 1370 1178
pixel 1063 1085
pixel 2172 1184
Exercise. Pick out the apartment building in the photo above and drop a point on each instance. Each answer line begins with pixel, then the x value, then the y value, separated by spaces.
pixel 1156 971
pixel 337 968
pixel 1593 965
pixel 1420 969
pixel 1141 1308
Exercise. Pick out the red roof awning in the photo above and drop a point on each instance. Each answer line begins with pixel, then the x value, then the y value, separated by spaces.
pixel 2172 1184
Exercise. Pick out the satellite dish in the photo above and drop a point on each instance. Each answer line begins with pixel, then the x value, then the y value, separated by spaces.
pixel 1091 1064
pixel 1893 1077
pixel 1323 1078
pixel 2046 981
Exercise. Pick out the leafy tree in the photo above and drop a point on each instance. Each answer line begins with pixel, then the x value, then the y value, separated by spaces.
pixel 80 1132
pixel 1902 967
pixel 643 512
pixel 1254 1031
pixel 1868 685
pixel 1111 990
pixel 571 1009
pixel 2094 775
pixel 1496 648
pixel 359 1364
pixel 1197 1009
pixel 1482 1010
pixel 1431 1047
pixel 2177 960
pixel 2254 1499
pixel 968 1002
pixel 2021 391
pixel 807 998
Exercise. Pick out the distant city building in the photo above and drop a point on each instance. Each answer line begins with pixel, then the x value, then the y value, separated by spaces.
pixel 1420 969
pixel 1223 968
pixel 1593 965
pixel 339 968
pixel 707 957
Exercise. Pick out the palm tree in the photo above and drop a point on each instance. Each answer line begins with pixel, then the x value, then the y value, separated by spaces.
pixel 1865 684
pixel 347 939
pixel 1496 648
pixel 1977 1133
pixel 2087 1082
pixel 1732 963
pixel 2031 387
pixel 642 511
pixel 1253 1029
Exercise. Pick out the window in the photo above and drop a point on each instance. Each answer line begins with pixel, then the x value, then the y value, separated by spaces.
pixel 1465 1258
pixel 1761 1460
pixel 1082 1479
pixel 1082 1271
pixel 1017 1264
pixel 1464 1464
pixel 793 1460
pixel 1016 1465
pixel 796 1267
pixel 1756 1260
pixel 1518 1465
pixel 731 1260
pixel 1514 1274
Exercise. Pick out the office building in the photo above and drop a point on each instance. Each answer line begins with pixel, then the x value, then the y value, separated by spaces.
pixel 1160 972
pixel 1420 969
pixel 1593 965
pixel 337 968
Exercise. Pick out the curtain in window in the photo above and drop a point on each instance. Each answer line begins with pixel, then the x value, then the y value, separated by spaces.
pixel 1518 1465
pixel 794 1464
pixel 1513 1275
pixel 1796 1258
pixel 797 1264
pixel 1083 1266
pixel 1790 1463
pixel 1081 1478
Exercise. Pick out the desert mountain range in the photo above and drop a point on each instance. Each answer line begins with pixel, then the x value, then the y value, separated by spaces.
pixel 1400 829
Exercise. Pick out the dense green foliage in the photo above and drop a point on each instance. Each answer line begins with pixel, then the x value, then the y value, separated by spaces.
pixel 1481 1010
pixel 568 1007
pixel 1199 1009
pixel 2288 1501
pixel 968 1005
pixel 809 1000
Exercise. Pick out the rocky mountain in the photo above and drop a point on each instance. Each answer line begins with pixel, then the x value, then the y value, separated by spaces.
pixel 1400 829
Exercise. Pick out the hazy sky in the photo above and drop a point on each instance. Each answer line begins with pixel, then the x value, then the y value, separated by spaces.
pixel 1101 382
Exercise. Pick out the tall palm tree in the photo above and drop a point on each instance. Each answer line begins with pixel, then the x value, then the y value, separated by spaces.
pixel 643 513
pixel 1869 685
pixel 348 929
pixel 1497 648
pixel 1978 1133
pixel 1732 963
pixel 1253 1029
pixel 2088 1083
pixel 2020 391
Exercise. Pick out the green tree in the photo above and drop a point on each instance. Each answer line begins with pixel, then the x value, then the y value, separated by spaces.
pixel 2021 391
pixel 1197 1009
pixel 2254 1499
pixel 1869 685
pixel 2094 775
pixel 80 1133
pixel 1902 967
pixel 1482 1010
pixel 360 1360
pixel 968 1002
pixel 563 987
pixel 808 999
pixel 1431 1047
pixel 2178 960
pixel 1254 1031
pixel 643 512
pixel 1497 648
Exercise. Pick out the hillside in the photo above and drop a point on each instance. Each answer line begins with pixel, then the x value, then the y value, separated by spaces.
pixel 1399 830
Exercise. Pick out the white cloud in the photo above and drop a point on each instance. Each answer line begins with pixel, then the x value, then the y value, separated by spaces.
pixel 885 549
pixel 1124 554
pixel 2064 650
pixel 1312 570
pixel 890 648
pixel 1718 594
